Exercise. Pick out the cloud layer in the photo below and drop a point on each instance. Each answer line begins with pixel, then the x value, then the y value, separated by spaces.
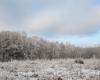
pixel 73 17
pixel 69 17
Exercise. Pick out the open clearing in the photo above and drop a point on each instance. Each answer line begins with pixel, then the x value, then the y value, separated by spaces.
pixel 62 69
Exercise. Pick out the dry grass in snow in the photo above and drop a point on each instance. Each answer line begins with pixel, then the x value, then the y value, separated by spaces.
pixel 62 69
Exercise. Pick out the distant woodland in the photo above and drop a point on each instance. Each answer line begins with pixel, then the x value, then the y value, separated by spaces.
pixel 19 46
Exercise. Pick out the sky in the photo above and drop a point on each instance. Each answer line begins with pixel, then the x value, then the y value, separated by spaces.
pixel 73 21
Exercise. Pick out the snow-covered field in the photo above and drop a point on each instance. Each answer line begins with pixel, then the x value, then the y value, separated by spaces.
pixel 62 69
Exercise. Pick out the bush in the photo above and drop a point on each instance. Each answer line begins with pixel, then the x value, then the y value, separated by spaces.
pixel 79 61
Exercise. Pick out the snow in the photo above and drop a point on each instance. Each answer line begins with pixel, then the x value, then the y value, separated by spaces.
pixel 51 70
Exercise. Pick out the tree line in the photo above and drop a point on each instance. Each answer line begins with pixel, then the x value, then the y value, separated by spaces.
pixel 19 46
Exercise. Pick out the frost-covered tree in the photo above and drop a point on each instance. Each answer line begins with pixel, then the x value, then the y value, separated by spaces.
pixel 15 45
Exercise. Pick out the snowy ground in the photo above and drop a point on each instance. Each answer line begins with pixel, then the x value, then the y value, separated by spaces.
pixel 65 69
